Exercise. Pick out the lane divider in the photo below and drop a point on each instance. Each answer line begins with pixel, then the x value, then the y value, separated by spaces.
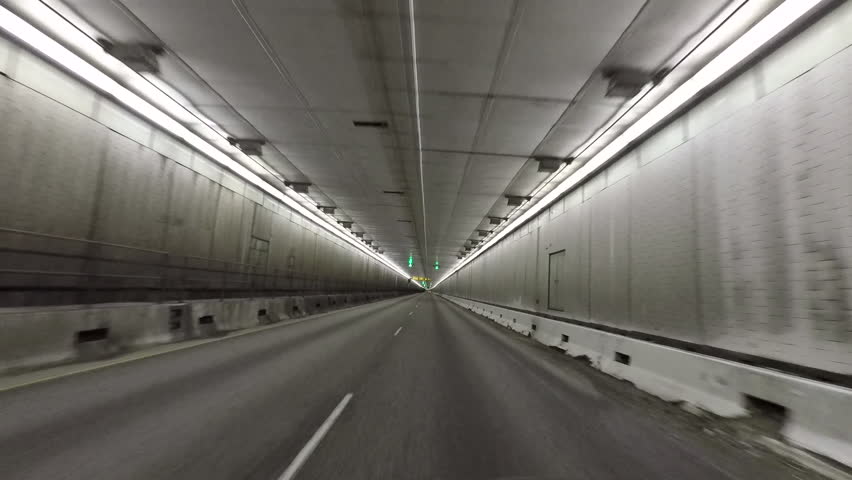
pixel 397 331
pixel 317 437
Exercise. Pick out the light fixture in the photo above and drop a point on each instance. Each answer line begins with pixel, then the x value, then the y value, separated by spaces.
pixel 299 187
pixel 626 82
pixel 249 146
pixel 516 200
pixel 756 37
pixel 549 164
pixel 211 145
pixel 416 77
pixel 141 57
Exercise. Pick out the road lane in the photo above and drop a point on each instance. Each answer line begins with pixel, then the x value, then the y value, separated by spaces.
pixel 459 398
pixel 440 393
pixel 239 408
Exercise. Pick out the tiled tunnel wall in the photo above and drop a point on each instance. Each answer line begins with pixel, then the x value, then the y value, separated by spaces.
pixel 731 227
pixel 97 205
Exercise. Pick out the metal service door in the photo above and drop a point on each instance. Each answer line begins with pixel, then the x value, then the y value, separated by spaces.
pixel 554 276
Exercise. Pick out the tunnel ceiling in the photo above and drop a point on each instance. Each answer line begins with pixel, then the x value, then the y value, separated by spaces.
pixel 500 81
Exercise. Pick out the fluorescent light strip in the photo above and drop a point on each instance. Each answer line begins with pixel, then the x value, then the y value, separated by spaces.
pixel 768 28
pixel 64 57
pixel 417 116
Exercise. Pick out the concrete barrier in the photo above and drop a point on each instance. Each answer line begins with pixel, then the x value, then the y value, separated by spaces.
pixel 41 336
pixel 316 304
pixel 33 337
pixel 337 301
pixel 277 311
pixel 819 415
pixel 296 306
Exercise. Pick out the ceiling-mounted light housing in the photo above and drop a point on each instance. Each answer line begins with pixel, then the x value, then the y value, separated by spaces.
pixel 516 200
pixel 496 220
pixel 359 234
pixel 368 242
pixel 298 187
pixel 326 209
pixel 483 233
pixel 549 164
pixel 141 57
pixel 626 82
pixel 346 225
pixel 249 146
pixel 474 242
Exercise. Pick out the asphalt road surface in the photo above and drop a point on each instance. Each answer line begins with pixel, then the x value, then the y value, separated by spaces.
pixel 436 393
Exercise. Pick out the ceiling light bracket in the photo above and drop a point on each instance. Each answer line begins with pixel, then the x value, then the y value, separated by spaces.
pixel 298 187
pixel 550 164
pixel 141 57
pixel 249 146
pixel 626 82
pixel 516 200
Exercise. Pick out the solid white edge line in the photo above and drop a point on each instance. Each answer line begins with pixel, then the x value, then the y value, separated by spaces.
pixel 397 331
pixel 317 437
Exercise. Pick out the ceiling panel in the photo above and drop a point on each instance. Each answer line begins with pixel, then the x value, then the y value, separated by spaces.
pixel 560 43
pixel 248 93
pixel 470 11
pixel 284 124
pixel 500 81
pixel 224 117
pixel 448 121
pixel 517 126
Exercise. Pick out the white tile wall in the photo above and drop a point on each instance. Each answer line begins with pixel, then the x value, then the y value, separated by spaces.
pixel 78 165
pixel 736 231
